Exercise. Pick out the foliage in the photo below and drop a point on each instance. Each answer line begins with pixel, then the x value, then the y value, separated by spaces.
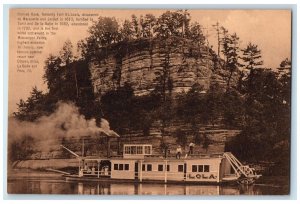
pixel 214 103
pixel 233 110
pixel 198 139
pixel 181 137
pixel 196 33
pixel 66 53
pixel 124 110
pixel 33 107
pixel 148 24
pixel 20 150
pixel 266 134
pixel 104 31
pixel 206 142
pixel 251 57
pixel 231 52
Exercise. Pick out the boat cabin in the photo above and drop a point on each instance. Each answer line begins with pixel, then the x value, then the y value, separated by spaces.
pixel 139 164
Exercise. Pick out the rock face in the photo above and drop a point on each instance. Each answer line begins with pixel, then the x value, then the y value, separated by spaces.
pixel 143 63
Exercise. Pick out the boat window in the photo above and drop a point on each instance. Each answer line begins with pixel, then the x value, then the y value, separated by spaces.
pixel 120 167
pixel 180 168
pixel 160 167
pixel 200 168
pixel 126 167
pixel 133 150
pixel 168 167
pixel 206 168
pixel 149 167
pixel 127 150
pixel 139 150
pixel 194 168
pixel 116 167
pixel 148 149
pixel 143 167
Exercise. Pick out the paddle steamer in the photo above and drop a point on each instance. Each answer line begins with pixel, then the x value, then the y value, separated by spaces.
pixel 139 164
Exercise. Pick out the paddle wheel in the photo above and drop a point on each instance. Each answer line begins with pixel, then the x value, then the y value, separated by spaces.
pixel 244 173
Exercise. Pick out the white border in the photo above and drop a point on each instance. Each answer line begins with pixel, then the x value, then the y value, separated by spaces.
pixel 157 2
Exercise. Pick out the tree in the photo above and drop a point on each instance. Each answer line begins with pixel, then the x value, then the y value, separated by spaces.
pixel 198 139
pixel 61 75
pixel 185 18
pixel 52 75
pixel 251 57
pixel 136 26
pixel 206 142
pixel 127 31
pixel 21 150
pixel 181 137
pixel 285 68
pixel 103 32
pixel 223 35
pixel 148 25
pixel 233 110
pixel 66 53
pixel 196 34
pixel 266 134
pixel 33 107
pixel 117 107
pixel 285 80
pixel 191 106
pixel 251 61
pixel 213 103
pixel 218 30
pixel 231 53
pixel 173 23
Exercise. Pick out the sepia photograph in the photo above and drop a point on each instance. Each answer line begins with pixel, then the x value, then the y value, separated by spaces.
pixel 149 101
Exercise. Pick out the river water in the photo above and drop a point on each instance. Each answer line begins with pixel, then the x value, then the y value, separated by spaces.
pixel 49 183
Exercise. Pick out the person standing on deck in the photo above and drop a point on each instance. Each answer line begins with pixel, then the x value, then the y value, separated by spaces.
pixel 191 148
pixel 178 152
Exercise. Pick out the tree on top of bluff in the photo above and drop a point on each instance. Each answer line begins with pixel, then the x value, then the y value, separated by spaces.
pixel 147 26
pixel 174 23
pixel 107 31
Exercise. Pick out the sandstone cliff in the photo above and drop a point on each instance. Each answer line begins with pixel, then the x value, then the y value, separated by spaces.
pixel 141 62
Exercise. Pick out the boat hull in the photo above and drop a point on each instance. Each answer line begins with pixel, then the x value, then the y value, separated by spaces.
pixel 75 178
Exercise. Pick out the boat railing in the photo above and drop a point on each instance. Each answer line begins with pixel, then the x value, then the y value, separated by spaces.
pixel 95 173
pixel 184 156
pixel 173 155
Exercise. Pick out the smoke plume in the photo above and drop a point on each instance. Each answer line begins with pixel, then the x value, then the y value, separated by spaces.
pixel 65 122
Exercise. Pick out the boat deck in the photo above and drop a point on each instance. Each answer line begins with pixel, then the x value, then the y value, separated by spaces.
pixel 159 157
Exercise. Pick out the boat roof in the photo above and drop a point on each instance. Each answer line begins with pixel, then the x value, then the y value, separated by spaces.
pixel 156 157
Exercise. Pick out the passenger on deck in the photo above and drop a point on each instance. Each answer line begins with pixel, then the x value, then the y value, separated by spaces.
pixel 191 148
pixel 89 170
pixel 178 152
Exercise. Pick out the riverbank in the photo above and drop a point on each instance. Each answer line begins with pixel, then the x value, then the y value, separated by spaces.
pixel 30 174
pixel 45 164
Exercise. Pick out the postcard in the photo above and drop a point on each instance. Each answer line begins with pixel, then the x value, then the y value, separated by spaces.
pixel 149 101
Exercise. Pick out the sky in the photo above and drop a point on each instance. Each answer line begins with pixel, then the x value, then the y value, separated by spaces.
pixel 269 29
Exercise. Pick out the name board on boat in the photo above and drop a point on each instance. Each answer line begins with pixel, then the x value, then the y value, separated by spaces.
pixel 202 176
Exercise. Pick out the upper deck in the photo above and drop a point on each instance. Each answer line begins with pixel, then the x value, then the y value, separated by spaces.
pixel 145 152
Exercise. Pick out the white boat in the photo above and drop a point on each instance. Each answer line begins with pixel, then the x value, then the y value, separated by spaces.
pixel 138 164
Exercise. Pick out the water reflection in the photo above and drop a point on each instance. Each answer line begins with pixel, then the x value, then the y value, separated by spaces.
pixel 44 186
